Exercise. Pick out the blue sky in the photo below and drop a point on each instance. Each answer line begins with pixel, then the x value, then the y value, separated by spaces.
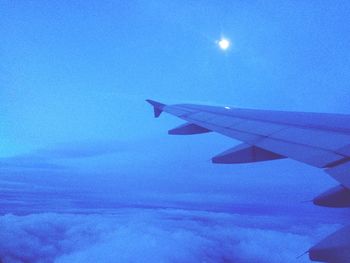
pixel 75 127
pixel 73 71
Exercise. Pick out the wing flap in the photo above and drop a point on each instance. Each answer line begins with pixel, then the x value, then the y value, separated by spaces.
pixel 258 127
pixel 303 153
pixel 315 138
pixel 341 173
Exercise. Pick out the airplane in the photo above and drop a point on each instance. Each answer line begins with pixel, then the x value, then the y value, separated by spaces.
pixel 321 140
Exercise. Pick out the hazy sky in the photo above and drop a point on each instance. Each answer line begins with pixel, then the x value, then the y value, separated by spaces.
pixel 75 74
pixel 81 70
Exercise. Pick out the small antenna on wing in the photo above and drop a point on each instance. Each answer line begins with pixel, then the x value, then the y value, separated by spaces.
pixel 302 254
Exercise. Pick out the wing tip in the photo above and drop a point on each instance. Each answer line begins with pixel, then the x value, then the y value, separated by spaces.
pixel 157 107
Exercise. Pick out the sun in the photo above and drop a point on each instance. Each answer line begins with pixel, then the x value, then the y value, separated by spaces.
pixel 224 43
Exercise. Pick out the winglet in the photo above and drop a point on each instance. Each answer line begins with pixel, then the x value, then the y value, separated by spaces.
pixel 157 107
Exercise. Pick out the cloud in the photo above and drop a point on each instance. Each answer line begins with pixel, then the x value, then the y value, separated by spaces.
pixel 159 235
pixel 82 149
pixel 47 158
pixel 28 162
pixel 210 220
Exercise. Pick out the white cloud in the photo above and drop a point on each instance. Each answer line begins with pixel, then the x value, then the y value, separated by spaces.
pixel 162 235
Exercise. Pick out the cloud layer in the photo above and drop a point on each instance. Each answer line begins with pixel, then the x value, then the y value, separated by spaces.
pixel 154 235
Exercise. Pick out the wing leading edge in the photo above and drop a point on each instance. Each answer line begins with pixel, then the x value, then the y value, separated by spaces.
pixel 318 139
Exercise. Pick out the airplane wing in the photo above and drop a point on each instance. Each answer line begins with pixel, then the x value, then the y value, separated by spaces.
pixel 318 139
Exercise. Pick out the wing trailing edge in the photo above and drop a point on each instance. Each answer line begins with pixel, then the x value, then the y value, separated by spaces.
pixel 341 173
pixel 338 196
pixel 334 248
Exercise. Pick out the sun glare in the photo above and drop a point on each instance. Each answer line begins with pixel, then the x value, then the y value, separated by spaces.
pixel 224 43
